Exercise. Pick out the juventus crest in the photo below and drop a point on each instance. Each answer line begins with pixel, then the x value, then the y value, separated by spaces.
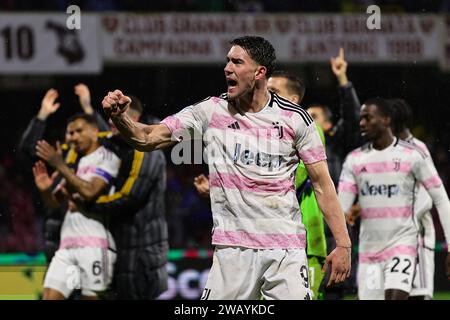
pixel 396 164
pixel 277 126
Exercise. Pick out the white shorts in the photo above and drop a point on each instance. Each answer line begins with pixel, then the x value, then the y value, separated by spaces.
pixel 423 284
pixel 272 274
pixel 88 269
pixel 395 273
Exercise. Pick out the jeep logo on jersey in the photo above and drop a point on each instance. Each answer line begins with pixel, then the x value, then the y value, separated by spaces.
pixel 380 189
pixel 261 159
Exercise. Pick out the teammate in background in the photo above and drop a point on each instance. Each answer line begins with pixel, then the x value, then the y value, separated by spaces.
pixel 256 217
pixel 86 253
pixel 423 284
pixel 287 86
pixel 383 174
pixel 137 215
pixel 27 146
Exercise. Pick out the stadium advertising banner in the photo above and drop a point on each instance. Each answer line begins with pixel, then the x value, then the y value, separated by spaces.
pixel 22 275
pixel 187 278
pixel 204 38
pixel 43 43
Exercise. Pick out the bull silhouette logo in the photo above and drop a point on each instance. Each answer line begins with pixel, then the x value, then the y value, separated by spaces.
pixel 69 46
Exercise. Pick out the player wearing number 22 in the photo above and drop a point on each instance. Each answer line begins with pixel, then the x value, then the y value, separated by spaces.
pixel 384 174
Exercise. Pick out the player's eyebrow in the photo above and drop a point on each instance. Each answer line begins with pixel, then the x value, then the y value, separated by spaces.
pixel 234 60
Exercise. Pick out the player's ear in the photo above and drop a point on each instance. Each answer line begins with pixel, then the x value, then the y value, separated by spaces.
pixel 260 72
pixel 326 125
pixel 295 98
pixel 95 131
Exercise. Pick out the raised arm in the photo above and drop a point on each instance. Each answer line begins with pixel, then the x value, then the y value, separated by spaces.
pixel 84 96
pixel 349 106
pixel 140 136
pixel 36 127
pixel 339 68
pixel 328 203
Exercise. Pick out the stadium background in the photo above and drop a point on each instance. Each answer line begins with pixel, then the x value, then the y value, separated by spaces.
pixel 167 87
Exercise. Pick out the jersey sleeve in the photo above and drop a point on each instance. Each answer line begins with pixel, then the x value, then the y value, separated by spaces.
pixel 347 188
pixel 189 123
pixel 308 143
pixel 108 167
pixel 426 173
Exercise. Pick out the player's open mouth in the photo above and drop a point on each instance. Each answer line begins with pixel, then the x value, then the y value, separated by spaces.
pixel 231 83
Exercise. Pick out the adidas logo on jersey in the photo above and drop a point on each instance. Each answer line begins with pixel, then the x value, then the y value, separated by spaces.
pixel 234 125
pixel 405 281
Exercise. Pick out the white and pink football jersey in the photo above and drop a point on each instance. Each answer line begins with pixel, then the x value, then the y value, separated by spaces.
pixel 424 202
pixel 79 230
pixel 252 159
pixel 385 182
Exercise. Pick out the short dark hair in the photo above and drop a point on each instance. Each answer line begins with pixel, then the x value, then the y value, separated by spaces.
pixel 402 115
pixel 84 116
pixel 325 109
pixel 259 49
pixel 295 84
pixel 383 106
pixel 136 104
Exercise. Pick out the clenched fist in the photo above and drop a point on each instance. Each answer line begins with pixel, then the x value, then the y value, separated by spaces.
pixel 115 103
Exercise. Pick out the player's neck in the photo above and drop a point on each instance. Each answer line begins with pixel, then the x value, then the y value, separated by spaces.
pixel 254 101
pixel 93 147
pixel 384 141
pixel 405 134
